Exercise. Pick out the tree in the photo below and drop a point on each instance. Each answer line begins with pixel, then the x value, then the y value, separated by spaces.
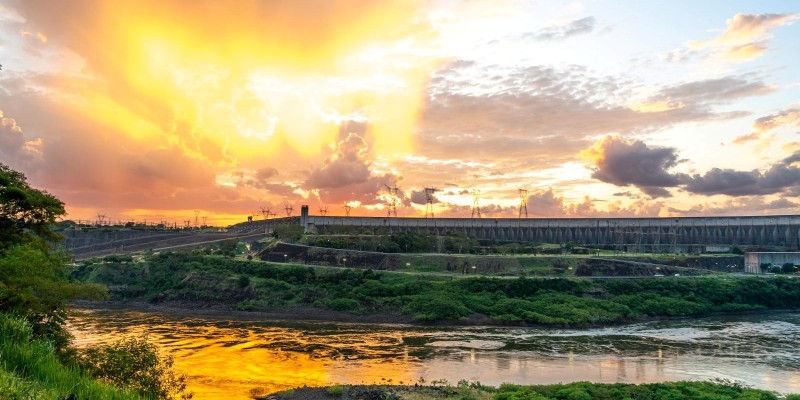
pixel 33 277
pixel 788 268
pixel 25 213
pixel 136 363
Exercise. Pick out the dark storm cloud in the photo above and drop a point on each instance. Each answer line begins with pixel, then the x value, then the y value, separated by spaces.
pixel 778 178
pixel 631 162
pixel 624 163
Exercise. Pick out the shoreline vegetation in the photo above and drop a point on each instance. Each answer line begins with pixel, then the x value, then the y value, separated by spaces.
pixel 210 282
pixel 442 390
pixel 38 360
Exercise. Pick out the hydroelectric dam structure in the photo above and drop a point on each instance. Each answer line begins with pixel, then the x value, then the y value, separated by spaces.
pixel 656 234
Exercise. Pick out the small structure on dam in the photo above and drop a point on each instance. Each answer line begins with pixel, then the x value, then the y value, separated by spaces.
pixel 754 260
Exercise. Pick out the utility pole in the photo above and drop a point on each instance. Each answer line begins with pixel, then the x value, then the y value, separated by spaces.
pixel 523 202
pixel 429 199
pixel 476 206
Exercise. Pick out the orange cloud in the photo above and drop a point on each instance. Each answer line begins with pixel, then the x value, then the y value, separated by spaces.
pixel 763 125
pixel 745 37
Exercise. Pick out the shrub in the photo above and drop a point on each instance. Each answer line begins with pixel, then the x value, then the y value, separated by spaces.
pixel 136 364
pixel 335 391
pixel 436 307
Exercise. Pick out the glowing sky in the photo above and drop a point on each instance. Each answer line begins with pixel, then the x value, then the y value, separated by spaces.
pixel 146 109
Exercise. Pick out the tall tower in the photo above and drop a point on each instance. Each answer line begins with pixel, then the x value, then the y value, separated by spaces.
pixel 288 209
pixel 429 199
pixel 523 202
pixel 476 206
pixel 392 200
pixel 347 208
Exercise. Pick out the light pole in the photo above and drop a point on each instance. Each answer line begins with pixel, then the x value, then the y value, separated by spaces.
pixel 474 267
pixel 344 261
pixel 285 258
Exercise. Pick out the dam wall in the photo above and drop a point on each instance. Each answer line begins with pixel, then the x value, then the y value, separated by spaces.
pixel 652 233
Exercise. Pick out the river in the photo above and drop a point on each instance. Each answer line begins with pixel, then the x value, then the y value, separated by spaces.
pixel 234 358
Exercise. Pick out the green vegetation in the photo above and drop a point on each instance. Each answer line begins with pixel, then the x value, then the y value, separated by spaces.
pixel 30 368
pixel 37 360
pixel 717 390
pixel 135 363
pixel 669 390
pixel 252 286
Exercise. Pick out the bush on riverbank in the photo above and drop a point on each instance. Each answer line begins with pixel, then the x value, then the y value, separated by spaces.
pixel 198 280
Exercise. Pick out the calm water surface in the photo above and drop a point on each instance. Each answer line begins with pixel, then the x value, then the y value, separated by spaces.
pixel 229 358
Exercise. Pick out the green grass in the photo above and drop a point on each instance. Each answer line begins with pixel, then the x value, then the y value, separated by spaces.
pixel 29 369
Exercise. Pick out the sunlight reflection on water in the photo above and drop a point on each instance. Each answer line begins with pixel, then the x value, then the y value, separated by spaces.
pixel 229 358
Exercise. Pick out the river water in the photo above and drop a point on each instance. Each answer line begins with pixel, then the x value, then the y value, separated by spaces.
pixel 234 358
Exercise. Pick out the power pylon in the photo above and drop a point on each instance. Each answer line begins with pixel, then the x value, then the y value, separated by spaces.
pixel 347 209
pixel 323 211
pixel 391 200
pixel 476 205
pixel 288 210
pixel 101 219
pixel 196 218
pixel 523 203
pixel 429 199
pixel 266 212
pixel 205 217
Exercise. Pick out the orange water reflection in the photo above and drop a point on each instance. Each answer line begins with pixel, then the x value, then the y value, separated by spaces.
pixel 229 359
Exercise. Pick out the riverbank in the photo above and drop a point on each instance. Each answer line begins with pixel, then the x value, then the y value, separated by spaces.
pixel 218 311
pixel 685 390
pixel 196 281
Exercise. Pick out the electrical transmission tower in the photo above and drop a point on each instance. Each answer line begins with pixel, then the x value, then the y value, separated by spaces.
pixel 101 219
pixel 392 200
pixel 204 219
pixel 347 209
pixel 288 210
pixel 266 212
pixel 196 219
pixel 323 211
pixel 523 202
pixel 429 199
pixel 476 205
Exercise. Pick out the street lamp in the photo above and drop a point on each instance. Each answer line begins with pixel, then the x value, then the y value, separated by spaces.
pixel 344 260
pixel 285 257
pixel 474 267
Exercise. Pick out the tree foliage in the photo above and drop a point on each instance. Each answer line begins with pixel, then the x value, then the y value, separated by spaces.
pixel 25 213
pixel 135 363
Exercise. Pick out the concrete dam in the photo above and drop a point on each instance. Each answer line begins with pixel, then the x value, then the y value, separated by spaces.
pixel 649 233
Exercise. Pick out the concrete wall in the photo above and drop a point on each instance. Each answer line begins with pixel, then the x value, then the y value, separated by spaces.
pixel 753 260
pixel 651 233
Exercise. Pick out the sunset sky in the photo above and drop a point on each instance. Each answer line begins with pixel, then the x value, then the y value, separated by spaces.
pixel 147 109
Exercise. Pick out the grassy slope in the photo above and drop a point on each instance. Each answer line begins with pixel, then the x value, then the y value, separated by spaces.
pixel 253 286
pixel 29 369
